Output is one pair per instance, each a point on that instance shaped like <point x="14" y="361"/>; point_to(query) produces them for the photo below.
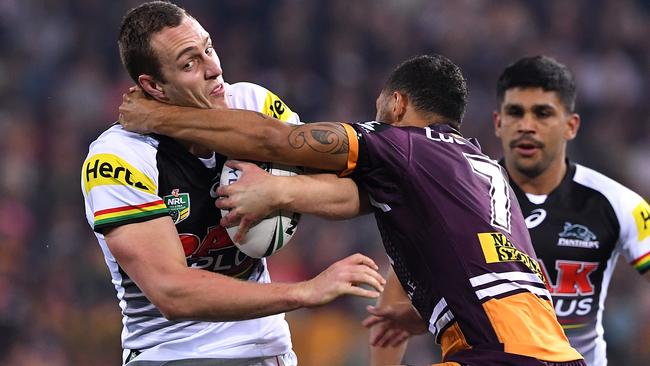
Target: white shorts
<point x="287" y="359"/>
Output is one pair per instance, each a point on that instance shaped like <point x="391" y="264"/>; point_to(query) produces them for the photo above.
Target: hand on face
<point x="136" y="110"/>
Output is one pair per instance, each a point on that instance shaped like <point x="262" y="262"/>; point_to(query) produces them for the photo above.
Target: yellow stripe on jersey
<point x="276" y="108"/>
<point x="109" y="169"/>
<point x="130" y="212"/>
<point x="526" y="325"/>
<point x="642" y="217"/>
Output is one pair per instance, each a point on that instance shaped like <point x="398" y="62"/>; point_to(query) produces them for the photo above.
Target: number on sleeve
<point x="499" y="192"/>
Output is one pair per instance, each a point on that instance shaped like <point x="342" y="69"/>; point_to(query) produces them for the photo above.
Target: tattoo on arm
<point x="326" y="138"/>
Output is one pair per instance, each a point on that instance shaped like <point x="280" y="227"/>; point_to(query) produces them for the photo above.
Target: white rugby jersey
<point x="578" y="232"/>
<point x="129" y="178"/>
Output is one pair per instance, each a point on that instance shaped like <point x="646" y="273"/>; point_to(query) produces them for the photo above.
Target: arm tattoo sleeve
<point x="326" y="138"/>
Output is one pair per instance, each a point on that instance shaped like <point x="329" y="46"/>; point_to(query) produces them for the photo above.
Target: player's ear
<point x="496" y="117"/>
<point x="573" y="124"/>
<point x="400" y="102"/>
<point x="152" y="87"/>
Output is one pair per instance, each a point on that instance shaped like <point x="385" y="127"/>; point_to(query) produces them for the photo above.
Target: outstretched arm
<point x="257" y="193"/>
<point x="152" y="255"/>
<point x="240" y="134"/>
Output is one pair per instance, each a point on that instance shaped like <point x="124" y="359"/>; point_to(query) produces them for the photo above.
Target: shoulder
<point x="118" y="140"/>
<point x="253" y="97"/>
<point x="246" y="91"/>
<point x="611" y="189"/>
<point x="626" y="203"/>
<point x="118" y="157"/>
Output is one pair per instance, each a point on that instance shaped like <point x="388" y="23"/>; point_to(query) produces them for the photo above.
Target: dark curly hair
<point x="433" y="84"/>
<point x="539" y="72"/>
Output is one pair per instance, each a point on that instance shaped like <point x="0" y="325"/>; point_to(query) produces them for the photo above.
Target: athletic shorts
<point x="287" y="359"/>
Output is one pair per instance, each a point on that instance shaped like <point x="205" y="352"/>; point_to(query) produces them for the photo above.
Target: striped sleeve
<point x="634" y="238"/>
<point x="128" y="214"/>
<point x="640" y="236"/>
<point x="119" y="181"/>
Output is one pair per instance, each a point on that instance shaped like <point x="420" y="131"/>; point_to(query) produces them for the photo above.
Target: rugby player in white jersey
<point x="579" y="220"/>
<point x="188" y="295"/>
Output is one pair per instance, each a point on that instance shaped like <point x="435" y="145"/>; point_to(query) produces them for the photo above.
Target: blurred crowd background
<point x="61" y="82"/>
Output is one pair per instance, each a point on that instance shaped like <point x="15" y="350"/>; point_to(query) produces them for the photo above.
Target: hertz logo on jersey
<point x="276" y="108"/>
<point x="498" y="248"/>
<point x="109" y="169"/>
<point x="642" y="217"/>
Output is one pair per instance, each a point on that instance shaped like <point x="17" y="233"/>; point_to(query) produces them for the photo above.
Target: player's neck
<point x="542" y="184"/>
<point x="414" y="118"/>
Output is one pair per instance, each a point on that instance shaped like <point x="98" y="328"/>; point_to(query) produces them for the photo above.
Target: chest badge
<point x="579" y="236"/>
<point x="178" y="205"/>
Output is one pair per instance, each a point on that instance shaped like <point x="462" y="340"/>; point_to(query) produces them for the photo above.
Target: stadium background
<point x="61" y="82"/>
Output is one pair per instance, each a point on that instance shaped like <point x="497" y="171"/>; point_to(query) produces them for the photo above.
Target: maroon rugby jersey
<point x="458" y="243"/>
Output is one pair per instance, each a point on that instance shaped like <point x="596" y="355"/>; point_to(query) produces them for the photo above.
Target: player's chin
<point x="218" y="101"/>
<point x="529" y="166"/>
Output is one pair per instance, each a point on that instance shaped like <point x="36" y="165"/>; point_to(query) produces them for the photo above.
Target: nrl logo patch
<point x="579" y="236"/>
<point x="178" y="205"/>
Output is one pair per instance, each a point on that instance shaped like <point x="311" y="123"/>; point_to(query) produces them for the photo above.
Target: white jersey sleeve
<point x="632" y="214"/>
<point x="257" y="98"/>
<point x="119" y="180"/>
<point x="634" y="242"/>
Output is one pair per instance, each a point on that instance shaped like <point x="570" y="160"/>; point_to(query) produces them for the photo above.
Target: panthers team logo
<point x="579" y="236"/>
<point x="178" y="205"/>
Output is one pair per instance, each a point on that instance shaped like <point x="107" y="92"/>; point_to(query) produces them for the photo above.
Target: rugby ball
<point x="274" y="231"/>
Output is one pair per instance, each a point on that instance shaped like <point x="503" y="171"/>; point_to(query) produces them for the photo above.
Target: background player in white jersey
<point x="579" y="220"/>
<point x="188" y="296"/>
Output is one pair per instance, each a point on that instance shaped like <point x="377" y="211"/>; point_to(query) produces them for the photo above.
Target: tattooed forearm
<point x="327" y="138"/>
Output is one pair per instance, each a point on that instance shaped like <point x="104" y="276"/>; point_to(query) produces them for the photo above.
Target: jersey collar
<point x="562" y="191"/>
